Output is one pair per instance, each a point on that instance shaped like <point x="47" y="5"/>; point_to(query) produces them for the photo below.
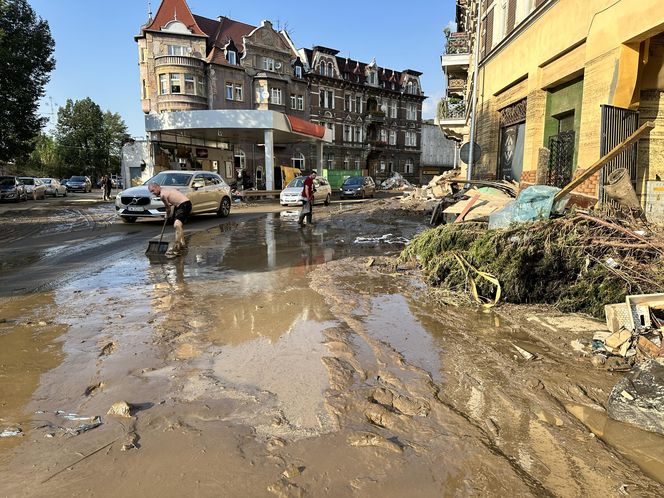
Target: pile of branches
<point x="578" y="263"/>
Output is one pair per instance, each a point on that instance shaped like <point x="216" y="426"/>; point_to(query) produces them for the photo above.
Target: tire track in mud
<point x="361" y="379"/>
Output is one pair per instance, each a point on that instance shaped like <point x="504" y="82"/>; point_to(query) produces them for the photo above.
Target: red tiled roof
<point x="170" y="10"/>
<point x="223" y="29"/>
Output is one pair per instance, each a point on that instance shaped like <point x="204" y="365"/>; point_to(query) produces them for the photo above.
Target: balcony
<point x="457" y="50"/>
<point x="179" y="60"/>
<point x="456" y="84"/>
<point x="451" y="112"/>
<point x="375" y="117"/>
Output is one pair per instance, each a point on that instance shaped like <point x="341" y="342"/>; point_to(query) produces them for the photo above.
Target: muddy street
<point x="274" y="360"/>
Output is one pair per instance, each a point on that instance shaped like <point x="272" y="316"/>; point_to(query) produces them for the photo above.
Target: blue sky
<point x="97" y="56"/>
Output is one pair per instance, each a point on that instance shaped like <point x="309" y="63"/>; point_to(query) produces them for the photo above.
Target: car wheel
<point x="129" y="219"/>
<point x="327" y="200"/>
<point x="224" y="207"/>
<point x="65" y="194"/>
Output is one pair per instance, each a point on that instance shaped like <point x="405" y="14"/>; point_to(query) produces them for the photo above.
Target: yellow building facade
<point x="569" y="76"/>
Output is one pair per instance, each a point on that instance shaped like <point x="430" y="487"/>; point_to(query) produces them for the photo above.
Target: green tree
<point x="26" y="49"/>
<point x="115" y="135"/>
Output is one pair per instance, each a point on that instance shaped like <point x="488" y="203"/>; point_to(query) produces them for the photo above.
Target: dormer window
<point x="177" y="50"/>
<point x="372" y="78"/>
<point x="321" y="69"/>
<point x="298" y="71"/>
<point x="330" y="70"/>
<point x="231" y="56"/>
<point x="268" y="64"/>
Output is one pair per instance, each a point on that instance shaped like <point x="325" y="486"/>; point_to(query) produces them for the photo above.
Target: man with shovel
<point x="179" y="207"/>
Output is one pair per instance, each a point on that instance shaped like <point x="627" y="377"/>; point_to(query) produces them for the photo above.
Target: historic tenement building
<point x="573" y="77"/>
<point x="375" y="113"/>
<point x="192" y="63"/>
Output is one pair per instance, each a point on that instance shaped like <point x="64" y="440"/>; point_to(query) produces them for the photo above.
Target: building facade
<point x="574" y="78"/>
<point x="192" y="63"/>
<point x="439" y="153"/>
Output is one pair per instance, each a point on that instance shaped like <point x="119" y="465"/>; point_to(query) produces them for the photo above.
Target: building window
<point x="346" y="163"/>
<point x="372" y="78"/>
<point x="390" y="166"/>
<point x="330" y="70"/>
<point x="300" y="102"/>
<point x="411" y="139"/>
<point x="293" y="101"/>
<point x="177" y="50"/>
<point x="231" y="56"/>
<point x="298" y="71"/>
<point x="229" y="91"/>
<point x="240" y="159"/>
<point x="330" y="126"/>
<point x="145" y="90"/>
<point x="382" y="165"/>
<point x="393" y="137"/>
<point x="357" y="164"/>
<point x="189" y="84"/>
<point x="393" y="109"/>
<point x="358" y="134"/>
<point x="330" y="161"/>
<point x="297" y="161"/>
<point x="276" y="96"/>
<point x="383" y="135"/>
<point x="327" y="99"/>
<point x="347" y="101"/>
<point x="142" y="51"/>
<point x="321" y="69"/>
<point x="268" y="64"/>
<point x="200" y="82"/>
<point x="411" y="112"/>
<point x="176" y="86"/>
<point x="163" y="84"/>
<point x="358" y="103"/>
<point x="347" y="133"/>
<point x="239" y="96"/>
<point x="408" y="168"/>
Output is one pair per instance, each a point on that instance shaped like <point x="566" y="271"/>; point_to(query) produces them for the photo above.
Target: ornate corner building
<point x="191" y="63"/>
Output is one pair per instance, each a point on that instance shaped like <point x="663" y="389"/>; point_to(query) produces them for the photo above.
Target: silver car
<point x="292" y="194"/>
<point x="34" y="187"/>
<point x="54" y="187"/>
<point x="207" y="191"/>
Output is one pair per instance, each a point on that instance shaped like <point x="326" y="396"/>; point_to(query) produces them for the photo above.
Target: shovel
<point x="156" y="248"/>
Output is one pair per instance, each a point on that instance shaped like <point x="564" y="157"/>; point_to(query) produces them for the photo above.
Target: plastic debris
<point x="11" y="432"/>
<point x="388" y="238"/>
<point x="533" y="203"/>
<point x="74" y="417"/>
<point x="75" y="431"/>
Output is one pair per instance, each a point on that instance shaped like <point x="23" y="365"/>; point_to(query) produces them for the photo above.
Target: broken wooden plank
<point x="468" y="207"/>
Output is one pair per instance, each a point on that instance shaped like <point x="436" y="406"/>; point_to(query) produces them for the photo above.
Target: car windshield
<point x="77" y="179"/>
<point x="298" y="182"/>
<point x="28" y="181"/>
<point x="7" y="181"/>
<point x="353" y="180"/>
<point x="170" y="179"/>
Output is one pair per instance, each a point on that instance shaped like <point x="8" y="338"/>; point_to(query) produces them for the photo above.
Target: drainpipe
<point x="476" y="56"/>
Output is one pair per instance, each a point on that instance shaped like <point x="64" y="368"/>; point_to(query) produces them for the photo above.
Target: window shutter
<point x="511" y="16"/>
<point x="488" y="33"/>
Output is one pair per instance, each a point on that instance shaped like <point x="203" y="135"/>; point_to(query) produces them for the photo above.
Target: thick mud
<point x="275" y="360"/>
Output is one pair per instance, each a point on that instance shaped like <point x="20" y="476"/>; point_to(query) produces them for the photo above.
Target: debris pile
<point x="396" y="182"/>
<point x="577" y="262"/>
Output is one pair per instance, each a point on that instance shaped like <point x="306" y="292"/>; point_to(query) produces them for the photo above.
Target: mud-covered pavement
<point x="271" y="360"/>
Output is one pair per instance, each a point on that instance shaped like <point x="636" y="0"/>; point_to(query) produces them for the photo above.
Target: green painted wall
<point x="337" y="176"/>
<point x="561" y="100"/>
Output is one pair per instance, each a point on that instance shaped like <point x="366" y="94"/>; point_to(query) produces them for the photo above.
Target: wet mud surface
<point x="271" y="360"/>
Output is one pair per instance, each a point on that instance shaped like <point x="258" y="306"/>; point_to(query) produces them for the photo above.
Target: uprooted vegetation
<point x="578" y="263"/>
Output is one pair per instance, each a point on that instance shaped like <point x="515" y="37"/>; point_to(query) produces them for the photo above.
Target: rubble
<point x="396" y="182"/>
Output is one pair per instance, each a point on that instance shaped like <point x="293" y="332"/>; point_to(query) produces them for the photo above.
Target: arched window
<point x="330" y="70"/>
<point x="297" y="161"/>
<point x="410" y="87"/>
<point x="321" y="69"/>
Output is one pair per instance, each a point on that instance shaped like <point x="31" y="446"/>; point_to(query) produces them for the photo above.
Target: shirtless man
<point x="178" y="205"/>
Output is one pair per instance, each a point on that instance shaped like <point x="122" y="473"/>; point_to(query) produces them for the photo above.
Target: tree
<point x="26" y="61"/>
<point x="88" y="139"/>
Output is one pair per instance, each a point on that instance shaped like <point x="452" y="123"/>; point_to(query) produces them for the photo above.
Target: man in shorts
<point x="178" y="205"/>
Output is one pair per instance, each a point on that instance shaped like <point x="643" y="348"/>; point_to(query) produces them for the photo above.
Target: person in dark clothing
<point x="307" y="200"/>
<point x="107" y="186"/>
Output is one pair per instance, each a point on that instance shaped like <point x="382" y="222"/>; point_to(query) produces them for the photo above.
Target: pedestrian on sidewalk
<point x="107" y="185"/>
<point x="307" y="195"/>
<point x="102" y="184"/>
<point x="179" y="207"/>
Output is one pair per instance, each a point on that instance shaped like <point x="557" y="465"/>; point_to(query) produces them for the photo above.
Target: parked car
<point x="207" y="191"/>
<point x="54" y="187"/>
<point x="11" y="189"/>
<point x="34" y="187"/>
<point x="358" y="186"/>
<point x="291" y="195"/>
<point x="79" y="184"/>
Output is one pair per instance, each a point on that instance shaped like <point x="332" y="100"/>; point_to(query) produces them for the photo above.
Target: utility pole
<point x="476" y="56"/>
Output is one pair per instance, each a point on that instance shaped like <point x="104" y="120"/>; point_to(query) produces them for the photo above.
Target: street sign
<point x="464" y="153"/>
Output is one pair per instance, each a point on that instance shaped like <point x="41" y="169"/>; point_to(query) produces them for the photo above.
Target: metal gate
<point x="617" y="125"/>
<point x="561" y="158"/>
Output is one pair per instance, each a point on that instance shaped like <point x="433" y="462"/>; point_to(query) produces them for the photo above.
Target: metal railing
<point x="451" y="109"/>
<point x="457" y="43"/>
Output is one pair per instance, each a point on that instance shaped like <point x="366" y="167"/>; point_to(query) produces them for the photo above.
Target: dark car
<point x="358" y="186"/>
<point x="12" y="189"/>
<point x="79" y="184"/>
